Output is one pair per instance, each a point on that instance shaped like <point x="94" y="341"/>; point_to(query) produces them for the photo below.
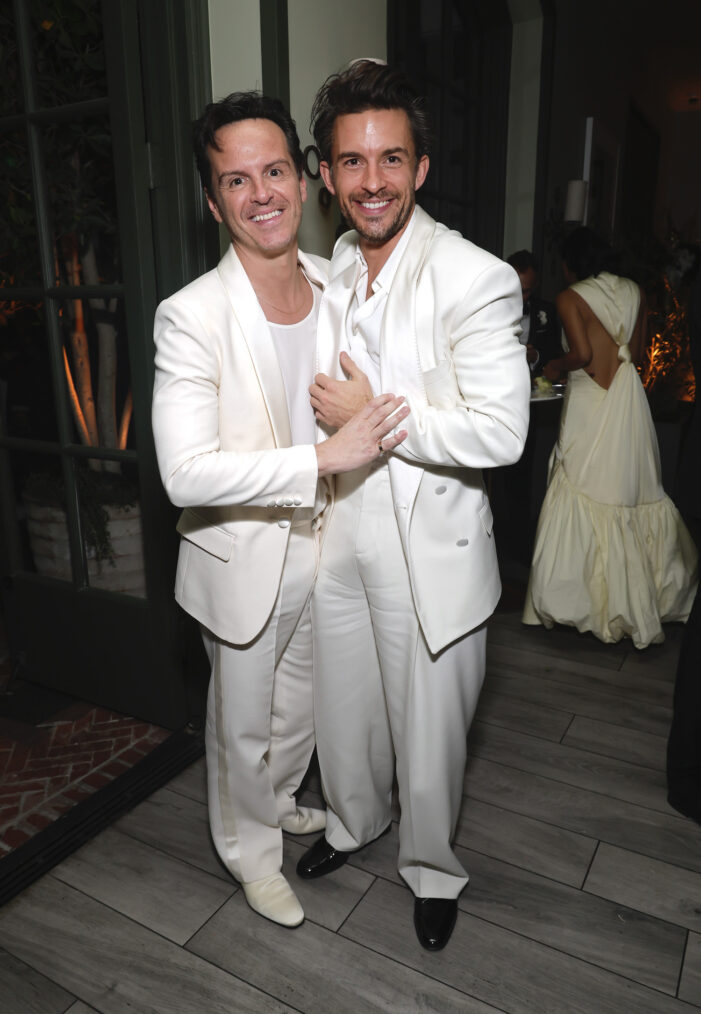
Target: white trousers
<point x="380" y="694"/>
<point x="259" y="734"/>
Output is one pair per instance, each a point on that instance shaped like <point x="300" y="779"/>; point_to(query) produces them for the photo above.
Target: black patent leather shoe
<point x="321" y="859"/>
<point x="434" y="920"/>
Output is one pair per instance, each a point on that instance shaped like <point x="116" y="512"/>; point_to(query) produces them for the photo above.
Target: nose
<point x="262" y="190"/>
<point x="372" y="177"/>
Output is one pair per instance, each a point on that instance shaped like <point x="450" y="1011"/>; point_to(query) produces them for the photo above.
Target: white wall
<point x="324" y="37"/>
<point x="235" y="55"/>
<point x="234" y="44"/>
<point x="524" y="102"/>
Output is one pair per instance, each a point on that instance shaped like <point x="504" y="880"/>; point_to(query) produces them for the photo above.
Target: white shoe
<point x="305" y="821"/>
<point x="273" y="898"/>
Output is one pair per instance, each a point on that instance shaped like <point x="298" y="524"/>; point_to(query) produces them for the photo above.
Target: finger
<point x="397" y="409"/>
<point x="378" y="401"/>
<point x="349" y="367"/>
<point x="390" y="422"/>
<point x="321" y="380"/>
<point x="390" y="442"/>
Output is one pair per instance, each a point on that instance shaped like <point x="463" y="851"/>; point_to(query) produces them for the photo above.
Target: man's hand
<point x="531" y="354"/>
<point x="364" y="437"/>
<point x="336" y="401"/>
<point x="551" y="370"/>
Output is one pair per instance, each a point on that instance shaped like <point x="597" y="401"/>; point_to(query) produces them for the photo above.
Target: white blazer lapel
<point x="401" y="360"/>
<point x="256" y="333"/>
<point x="331" y="334"/>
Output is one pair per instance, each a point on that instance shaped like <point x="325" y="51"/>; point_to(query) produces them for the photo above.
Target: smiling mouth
<point x="375" y="205"/>
<point x="267" y="217"/>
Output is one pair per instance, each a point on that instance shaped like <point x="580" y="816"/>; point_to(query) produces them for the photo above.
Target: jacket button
<point x="280" y="502"/>
<point x="284" y="522"/>
<point x="289" y="502"/>
<point x="271" y="503"/>
<point x="462" y="542"/>
<point x="298" y="501"/>
<point x="440" y="489"/>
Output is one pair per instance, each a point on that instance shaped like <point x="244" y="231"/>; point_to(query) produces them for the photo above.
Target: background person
<point x="540" y="328"/>
<point x="612" y="554"/>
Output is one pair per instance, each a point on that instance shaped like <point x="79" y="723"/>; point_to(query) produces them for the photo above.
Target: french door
<point x="103" y="219"/>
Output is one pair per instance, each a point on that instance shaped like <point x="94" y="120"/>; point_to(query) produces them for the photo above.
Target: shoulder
<point x="206" y="287"/>
<point x="569" y="301"/>
<point x="449" y="248"/>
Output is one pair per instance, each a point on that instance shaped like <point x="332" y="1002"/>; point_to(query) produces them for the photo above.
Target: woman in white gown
<point x="612" y="554"/>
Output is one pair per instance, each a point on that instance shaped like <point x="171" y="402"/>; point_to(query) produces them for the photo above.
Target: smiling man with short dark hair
<point x="237" y="447"/>
<point x="408" y="575"/>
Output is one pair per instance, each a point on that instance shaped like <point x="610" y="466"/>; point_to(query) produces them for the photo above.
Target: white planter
<point x="48" y="537"/>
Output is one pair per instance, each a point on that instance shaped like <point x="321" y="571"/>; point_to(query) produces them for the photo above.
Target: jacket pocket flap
<point x="213" y="540"/>
<point x="441" y="385"/>
<point x="486" y="518"/>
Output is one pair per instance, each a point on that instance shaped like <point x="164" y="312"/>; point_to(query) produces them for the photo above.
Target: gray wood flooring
<point x="584" y="897"/>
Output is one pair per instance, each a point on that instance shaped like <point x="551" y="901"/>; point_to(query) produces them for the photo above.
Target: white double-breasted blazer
<point x="222" y="434"/>
<point x="449" y="344"/>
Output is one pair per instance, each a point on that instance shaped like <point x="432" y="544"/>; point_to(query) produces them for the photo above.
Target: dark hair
<point x="235" y="107"/>
<point x="367" y="85"/>
<point x="522" y="261"/>
<point x="586" y="254"/>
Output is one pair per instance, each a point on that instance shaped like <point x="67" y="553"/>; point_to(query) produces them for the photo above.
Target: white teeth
<point x="374" y="205"/>
<point x="264" y="218"/>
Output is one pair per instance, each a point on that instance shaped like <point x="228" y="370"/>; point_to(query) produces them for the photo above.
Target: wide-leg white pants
<point x="379" y="693"/>
<point x="259" y="734"/>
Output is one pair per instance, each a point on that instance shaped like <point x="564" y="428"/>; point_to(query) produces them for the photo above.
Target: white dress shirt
<point x="364" y="322"/>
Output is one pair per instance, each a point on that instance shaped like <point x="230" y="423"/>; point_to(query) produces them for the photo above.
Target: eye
<point x="393" y="160"/>
<point x="234" y="182"/>
<point x="352" y="163"/>
<point x="276" y="172"/>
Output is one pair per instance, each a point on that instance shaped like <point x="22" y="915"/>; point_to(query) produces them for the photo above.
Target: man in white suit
<point x="408" y="575"/>
<point x="235" y="437"/>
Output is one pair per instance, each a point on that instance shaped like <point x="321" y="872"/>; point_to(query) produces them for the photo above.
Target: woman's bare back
<point x="585" y="332"/>
<point x="604" y="350"/>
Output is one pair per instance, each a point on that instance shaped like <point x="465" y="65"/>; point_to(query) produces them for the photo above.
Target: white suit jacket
<point x="222" y="434"/>
<point x="449" y="344"/>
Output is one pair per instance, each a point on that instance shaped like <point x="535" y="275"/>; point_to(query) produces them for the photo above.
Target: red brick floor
<point x="45" y="769"/>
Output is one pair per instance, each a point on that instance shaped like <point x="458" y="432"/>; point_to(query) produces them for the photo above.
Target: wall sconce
<point x="576" y="200"/>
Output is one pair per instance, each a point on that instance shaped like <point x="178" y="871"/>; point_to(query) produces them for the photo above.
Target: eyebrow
<point x="242" y="172"/>
<point x="388" y="151"/>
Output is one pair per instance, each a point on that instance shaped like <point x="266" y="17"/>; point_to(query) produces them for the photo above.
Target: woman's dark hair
<point x="235" y="107"/>
<point x="367" y="85"/>
<point x="586" y="254"/>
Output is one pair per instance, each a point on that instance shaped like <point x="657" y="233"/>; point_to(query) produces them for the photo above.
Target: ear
<point x="213" y="207"/>
<point x="302" y="187"/>
<point x="421" y="171"/>
<point x="327" y="176"/>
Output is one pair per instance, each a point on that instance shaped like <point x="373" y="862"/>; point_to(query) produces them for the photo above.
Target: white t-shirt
<point x="295" y="345"/>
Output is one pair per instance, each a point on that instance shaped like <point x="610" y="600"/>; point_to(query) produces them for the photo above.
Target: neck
<point x="274" y="274"/>
<point x="279" y="284"/>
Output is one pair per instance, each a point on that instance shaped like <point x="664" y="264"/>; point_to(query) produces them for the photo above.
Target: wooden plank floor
<point x="585" y="891"/>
